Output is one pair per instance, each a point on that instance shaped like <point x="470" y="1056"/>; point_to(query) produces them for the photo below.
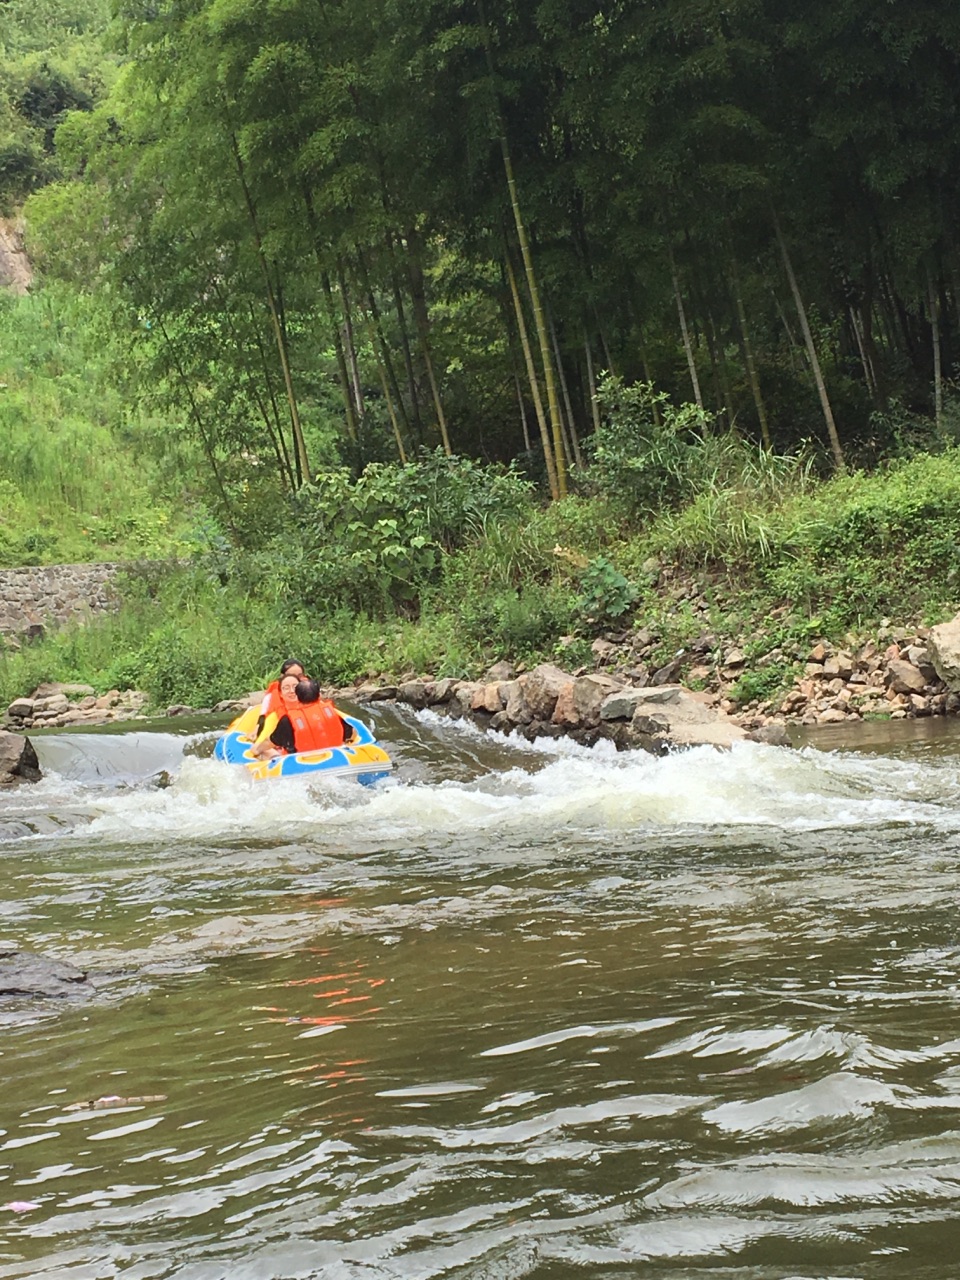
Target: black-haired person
<point x="271" y="739"/>
<point x="311" y="723"/>
<point x="317" y="724"/>
<point x="273" y="702"/>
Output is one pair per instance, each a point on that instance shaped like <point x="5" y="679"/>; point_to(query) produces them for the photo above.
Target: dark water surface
<point x="515" y="1013"/>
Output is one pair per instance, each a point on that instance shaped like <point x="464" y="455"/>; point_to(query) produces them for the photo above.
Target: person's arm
<point x="282" y="736"/>
<point x="349" y="733"/>
<point x="264" y="747"/>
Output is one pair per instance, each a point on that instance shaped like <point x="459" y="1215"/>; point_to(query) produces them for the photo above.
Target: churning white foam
<point x="553" y="788"/>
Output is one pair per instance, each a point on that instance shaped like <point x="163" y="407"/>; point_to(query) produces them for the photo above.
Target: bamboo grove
<point x="347" y="231"/>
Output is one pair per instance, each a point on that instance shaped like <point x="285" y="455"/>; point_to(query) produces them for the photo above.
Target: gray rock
<point x="605" y="651"/>
<point x="385" y="693"/>
<point x="773" y="734"/>
<point x="622" y="705"/>
<point x="579" y="701"/>
<point x="414" y="693"/>
<point x="22" y="708"/>
<point x="667" y="674"/>
<point x="18" y="760"/>
<point x="681" y="719"/>
<point x="443" y="690"/>
<point x="904" y="677"/>
<point x="498" y="672"/>
<point x="541" y="688"/>
<point x="944" y="648"/>
<point x="464" y="694"/>
<point x="840" y="666"/>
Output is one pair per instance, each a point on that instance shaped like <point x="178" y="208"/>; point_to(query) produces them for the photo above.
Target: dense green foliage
<point x="309" y="221"/>
<point x="52" y="61"/>
<point x="839" y="557"/>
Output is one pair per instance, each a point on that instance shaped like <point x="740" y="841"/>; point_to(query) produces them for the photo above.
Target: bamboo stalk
<point x="811" y="349"/>
<point x="300" y="444"/>
<point x="685" y="332"/>
<point x="933" y="310"/>
<point x="752" y="375"/>
<point x="532" y="379"/>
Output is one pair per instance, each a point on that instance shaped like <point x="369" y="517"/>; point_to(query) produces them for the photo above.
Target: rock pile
<point x="55" y="705"/>
<point x="837" y="685"/>
<point x="552" y="703"/>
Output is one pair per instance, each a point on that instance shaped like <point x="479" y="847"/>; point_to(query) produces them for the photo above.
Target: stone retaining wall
<point x="34" y="598"/>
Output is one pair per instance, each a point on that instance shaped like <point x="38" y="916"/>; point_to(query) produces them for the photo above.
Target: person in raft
<point x="308" y="723"/>
<point x="273" y="699"/>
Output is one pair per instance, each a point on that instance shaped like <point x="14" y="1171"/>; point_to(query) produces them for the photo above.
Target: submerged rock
<point x="25" y="973"/>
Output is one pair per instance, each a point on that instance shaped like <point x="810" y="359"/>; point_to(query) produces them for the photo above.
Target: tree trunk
<point x="405" y="342"/>
<point x="343" y="376"/>
<point x="300" y="444"/>
<point x="571" y="421"/>
<point x="532" y="286"/>
<point x="749" y="361"/>
<point x="933" y="310"/>
<point x="273" y="427"/>
<point x="528" y="447"/>
<point x="592" y="385"/>
<point x="198" y="420"/>
<point x="422" y="319"/>
<point x="381" y="336"/>
<point x="386" y="392"/>
<point x="685" y="332"/>
<point x="533" y="380"/>
<point x="811" y="349"/>
<point x="538" y="320"/>
<point x="350" y="346"/>
<point x="868" y="374"/>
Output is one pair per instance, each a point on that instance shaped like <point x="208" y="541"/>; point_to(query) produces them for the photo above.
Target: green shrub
<point x="607" y="594"/>
<point x="764" y="684"/>
<point x="522" y="624"/>
<point x="644" y="452"/>
<point x="375" y="544"/>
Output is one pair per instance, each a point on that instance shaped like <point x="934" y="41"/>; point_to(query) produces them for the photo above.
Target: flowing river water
<point x="515" y="1012"/>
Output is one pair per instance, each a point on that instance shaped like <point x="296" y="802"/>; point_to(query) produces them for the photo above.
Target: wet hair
<point x="308" y="691"/>
<point x="288" y="663"/>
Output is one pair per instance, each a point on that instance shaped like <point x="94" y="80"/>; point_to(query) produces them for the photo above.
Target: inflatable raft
<point x="362" y="757"/>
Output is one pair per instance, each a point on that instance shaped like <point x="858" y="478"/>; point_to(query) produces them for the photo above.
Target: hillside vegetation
<point x="432" y="333"/>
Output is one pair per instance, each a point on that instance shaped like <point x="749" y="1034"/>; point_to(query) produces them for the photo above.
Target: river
<point x="517" y="1011"/>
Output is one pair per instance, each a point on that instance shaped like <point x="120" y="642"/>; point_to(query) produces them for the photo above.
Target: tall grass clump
<point x="80" y="474"/>
<point x="862" y="547"/>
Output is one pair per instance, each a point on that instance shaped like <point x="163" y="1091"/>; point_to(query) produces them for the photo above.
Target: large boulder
<point x="669" y="715"/>
<point x="541" y="688"/>
<point x="943" y="646"/>
<point x="904" y="677"/>
<point x="18" y="760"/>
<point x="579" y="701"/>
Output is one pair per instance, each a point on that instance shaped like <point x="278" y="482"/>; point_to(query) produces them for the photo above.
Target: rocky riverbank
<point x="696" y="697"/>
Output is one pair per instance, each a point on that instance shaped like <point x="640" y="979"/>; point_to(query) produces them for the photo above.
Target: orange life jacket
<point x="316" y="725"/>
<point x="272" y="700"/>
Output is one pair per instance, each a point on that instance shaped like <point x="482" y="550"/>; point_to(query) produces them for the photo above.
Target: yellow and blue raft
<point x="362" y="757"/>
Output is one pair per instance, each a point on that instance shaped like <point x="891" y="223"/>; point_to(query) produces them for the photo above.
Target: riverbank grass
<point x="761" y="567"/>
